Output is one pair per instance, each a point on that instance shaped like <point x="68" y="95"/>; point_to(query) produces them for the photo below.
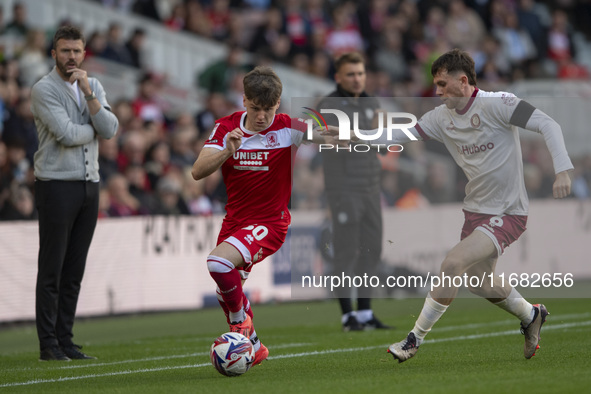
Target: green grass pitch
<point x="474" y="348"/>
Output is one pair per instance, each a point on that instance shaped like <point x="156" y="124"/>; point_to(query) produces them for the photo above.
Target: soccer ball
<point x="232" y="354"/>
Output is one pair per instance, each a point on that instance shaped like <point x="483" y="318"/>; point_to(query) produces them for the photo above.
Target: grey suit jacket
<point x="68" y="144"/>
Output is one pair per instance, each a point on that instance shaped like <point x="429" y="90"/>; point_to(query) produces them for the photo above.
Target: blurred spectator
<point x="530" y="21"/>
<point x="133" y="149"/>
<point x="18" y="25"/>
<point x="372" y="17"/>
<point x="123" y="109"/>
<point x="104" y="203"/>
<point x="122" y="203"/>
<point x="108" y="155"/>
<point x="139" y="187"/>
<point x="219" y="76"/>
<point x="320" y="65"/>
<point x="344" y="35"/>
<point x="5" y="174"/>
<point x="218" y="14"/>
<point x="20" y="205"/>
<point x="434" y="26"/>
<point x="196" y="20"/>
<point x="135" y="46"/>
<point x="17" y="159"/>
<point x="194" y="195"/>
<point x="96" y="44"/>
<point x="19" y="125"/>
<point x="181" y="147"/>
<point x="439" y="184"/>
<point x="516" y="44"/>
<point x="296" y="26"/>
<point x="560" y="44"/>
<point x="33" y="59"/>
<point x="147" y="105"/>
<point x="216" y="107"/>
<point x="168" y="197"/>
<point x="267" y="34"/>
<point x="177" y="19"/>
<point x="464" y="28"/>
<point x="146" y="8"/>
<point x="115" y="49"/>
<point x="157" y="162"/>
<point x="390" y="55"/>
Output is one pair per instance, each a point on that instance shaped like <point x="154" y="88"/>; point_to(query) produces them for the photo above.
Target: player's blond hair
<point x="262" y="86"/>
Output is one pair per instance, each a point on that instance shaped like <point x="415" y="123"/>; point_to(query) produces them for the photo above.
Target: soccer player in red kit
<point x="254" y="150"/>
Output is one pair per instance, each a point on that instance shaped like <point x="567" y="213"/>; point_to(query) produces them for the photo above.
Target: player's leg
<point x="471" y="250"/>
<point x="370" y="253"/>
<point x="222" y="264"/>
<point x="509" y="299"/>
<point x="346" y="245"/>
<point x="240" y="250"/>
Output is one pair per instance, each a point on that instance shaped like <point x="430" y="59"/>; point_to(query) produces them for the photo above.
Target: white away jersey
<point x="258" y="176"/>
<point x="485" y="144"/>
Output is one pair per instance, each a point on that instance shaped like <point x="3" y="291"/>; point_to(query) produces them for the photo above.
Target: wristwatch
<point x="91" y="96"/>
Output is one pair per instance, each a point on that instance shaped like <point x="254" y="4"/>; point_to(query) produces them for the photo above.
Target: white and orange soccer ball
<point x="232" y="354"/>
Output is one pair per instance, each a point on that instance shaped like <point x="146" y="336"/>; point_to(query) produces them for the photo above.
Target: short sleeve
<point x="298" y="128"/>
<point x="428" y="126"/>
<point x="217" y="138"/>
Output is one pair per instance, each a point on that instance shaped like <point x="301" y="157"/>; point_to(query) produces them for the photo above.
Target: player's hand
<point x="80" y="75"/>
<point x="334" y="131"/>
<point x="234" y="140"/>
<point x="331" y="130"/>
<point x="561" y="187"/>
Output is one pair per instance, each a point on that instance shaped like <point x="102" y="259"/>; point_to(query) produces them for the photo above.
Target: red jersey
<point x="258" y="175"/>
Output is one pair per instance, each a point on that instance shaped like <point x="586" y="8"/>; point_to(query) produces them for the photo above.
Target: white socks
<point x="345" y="317"/>
<point x="254" y="339"/>
<point x="362" y="316"/>
<point x="365" y="315"/>
<point x="432" y="311"/>
<point x="516" y="305"/>
<point x="237" y="317"/>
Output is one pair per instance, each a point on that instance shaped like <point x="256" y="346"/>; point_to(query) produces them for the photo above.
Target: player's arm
<point x="211" y="159"/>
<point x="531" y="118"/>
<point x="376" y="136"/>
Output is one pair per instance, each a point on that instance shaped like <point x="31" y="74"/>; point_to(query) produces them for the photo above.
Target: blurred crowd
<point x="145" y="169"/>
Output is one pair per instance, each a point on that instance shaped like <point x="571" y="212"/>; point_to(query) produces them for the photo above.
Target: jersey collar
<point x="469" y="104"/>
<point x="251" y="133"/>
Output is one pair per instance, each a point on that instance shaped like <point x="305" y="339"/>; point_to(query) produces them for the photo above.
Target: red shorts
<point x="503" y="230"/>
<point x="254" y="241"/>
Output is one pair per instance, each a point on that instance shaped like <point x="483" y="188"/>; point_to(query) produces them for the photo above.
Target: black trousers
<point x="68" y="212"/>
<point x="357" y="241"/>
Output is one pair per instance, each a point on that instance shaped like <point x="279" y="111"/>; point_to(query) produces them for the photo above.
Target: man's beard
<point x="63" y="67"/>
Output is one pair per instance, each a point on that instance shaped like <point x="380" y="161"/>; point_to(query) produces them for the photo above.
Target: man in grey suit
<point x="70" y="111"/>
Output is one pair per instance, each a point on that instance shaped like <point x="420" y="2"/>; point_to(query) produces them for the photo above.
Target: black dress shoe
<point x="376" y="324"/>
<point x="53" y="353"/>
<point x="73" y="351"/>
<point x="352" y="324"/>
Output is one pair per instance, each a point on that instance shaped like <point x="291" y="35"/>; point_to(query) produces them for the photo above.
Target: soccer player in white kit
<point x="480" y="131"/>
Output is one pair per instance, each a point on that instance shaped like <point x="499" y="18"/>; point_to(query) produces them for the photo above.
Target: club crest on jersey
<point x="271" y="140"/>
<point x="475" y="121"/>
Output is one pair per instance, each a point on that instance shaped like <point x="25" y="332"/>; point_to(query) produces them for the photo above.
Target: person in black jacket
<point x="352" y="184"/>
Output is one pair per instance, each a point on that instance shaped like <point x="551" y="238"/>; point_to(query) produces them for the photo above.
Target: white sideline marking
<point x="512" y="322"/>
<point x="86" y="365"/>
<point x="281" y="356"/>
